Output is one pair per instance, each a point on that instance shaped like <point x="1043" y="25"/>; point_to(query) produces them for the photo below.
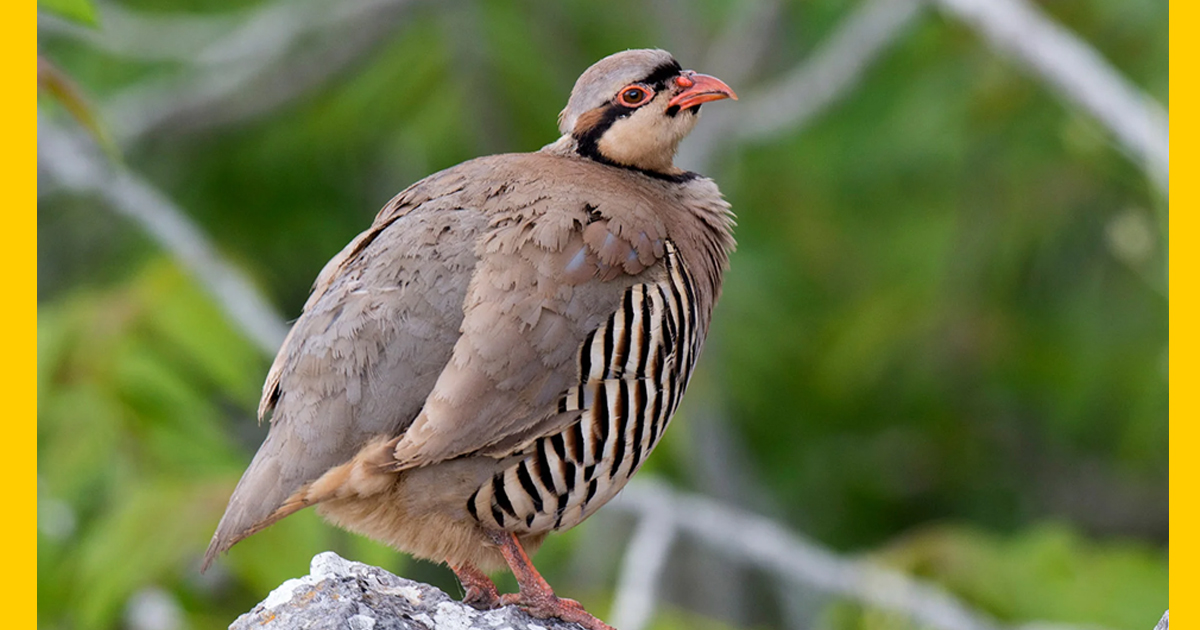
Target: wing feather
<point x="527" y="311"/>
<point x="374" y="335"/>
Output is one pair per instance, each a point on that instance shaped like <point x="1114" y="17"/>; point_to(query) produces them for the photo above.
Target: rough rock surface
<point x="338" y="593"/>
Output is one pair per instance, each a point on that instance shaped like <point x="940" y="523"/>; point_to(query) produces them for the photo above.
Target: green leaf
<point x="149" y="535"/>
<point x="1049" y="573"/>
<point x="81" y="11"/>
<point x="61" y="88"/>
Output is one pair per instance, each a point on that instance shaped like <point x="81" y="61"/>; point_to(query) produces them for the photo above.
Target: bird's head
<point x="632" y="109"/>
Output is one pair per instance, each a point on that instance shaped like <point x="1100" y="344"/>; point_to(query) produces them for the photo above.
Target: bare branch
<point x="267" y="62"/>
<point x="831" y="71"/>
<point x="238" y="66"/>
<point x="1017" y="28"/>
<point x="1078" y="73"/>
<point x="642" y="568"/>
<point x="825" y="77"/>
<point x="139" y="36"/>
<point x="75" y="165"/>
<point x="765" y="544"/>
<point x="737" y="51"/>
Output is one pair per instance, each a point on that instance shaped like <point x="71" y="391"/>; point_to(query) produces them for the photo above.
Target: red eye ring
<point x="635" y="95"/>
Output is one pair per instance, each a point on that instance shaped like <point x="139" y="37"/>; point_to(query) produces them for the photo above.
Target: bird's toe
<point x="482" y="598"/>
<point x="554" y="607"/>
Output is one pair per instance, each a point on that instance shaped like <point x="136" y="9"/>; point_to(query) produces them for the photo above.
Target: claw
<point x="481" y="593"/>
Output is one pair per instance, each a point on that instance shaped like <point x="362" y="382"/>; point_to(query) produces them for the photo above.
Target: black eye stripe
<point x="658" y="78"/>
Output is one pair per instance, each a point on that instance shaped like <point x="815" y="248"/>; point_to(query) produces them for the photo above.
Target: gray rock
<point x="344" y="595"/>
<point x="1162" y="623"/>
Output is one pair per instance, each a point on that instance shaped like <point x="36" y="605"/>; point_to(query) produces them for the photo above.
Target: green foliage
<point x="924" y="286"/>
<point x="135" y="389"/>
<point x="130" y="437"/>
<point x="1049" y="572"/>
<point x="79" y="10"/>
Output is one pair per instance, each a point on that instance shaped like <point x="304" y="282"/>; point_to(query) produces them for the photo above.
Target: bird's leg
<point x="480" y="593"/>
<point x="536" y="596"/>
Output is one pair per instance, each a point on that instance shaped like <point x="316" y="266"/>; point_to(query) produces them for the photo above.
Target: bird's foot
<point x="549" y="606"/>
<point x="480" y="593"/>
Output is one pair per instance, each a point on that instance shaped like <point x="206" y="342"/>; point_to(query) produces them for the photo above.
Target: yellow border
<point x="1182" y="266"/>
<point x="18" y="49"/>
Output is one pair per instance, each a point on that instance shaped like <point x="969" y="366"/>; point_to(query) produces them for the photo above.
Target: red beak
<point x="700" y="88"/>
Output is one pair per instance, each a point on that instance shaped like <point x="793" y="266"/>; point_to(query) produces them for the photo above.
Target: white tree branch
<point x="139" y="36"/>
<point x="831" y="71"/>
<point x="1077" y="72"/>
<point x="285" y="51"/>
<point x="821" y="80"/>
<point x="1016" y="28"/>
<point x="737" y="51"/>
<point x="765" y="544"/>
<point x="642" y="567"/>
<point x="74" y="164"/>
<point x="238" y="66"/>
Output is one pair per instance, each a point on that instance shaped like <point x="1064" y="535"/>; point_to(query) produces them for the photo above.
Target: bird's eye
<point x="633" y="96"/>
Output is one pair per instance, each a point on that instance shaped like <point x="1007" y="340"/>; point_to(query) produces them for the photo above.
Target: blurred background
<point x="942" y="346"/>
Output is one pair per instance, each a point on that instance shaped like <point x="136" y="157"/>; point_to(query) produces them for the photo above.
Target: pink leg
<point x="536" y="596"/>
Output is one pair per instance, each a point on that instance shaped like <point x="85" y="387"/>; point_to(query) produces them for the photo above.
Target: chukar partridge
<point x="499" y="352"/>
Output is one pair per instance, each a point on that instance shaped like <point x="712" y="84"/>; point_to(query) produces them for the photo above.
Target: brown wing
<point x="552" y="268"/>
<point x="374" y="335"/>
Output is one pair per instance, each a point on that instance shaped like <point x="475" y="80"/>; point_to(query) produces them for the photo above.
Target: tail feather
<point x="253" y="505"/>
<point x="266" y="494"/>
<point x="281" y="466"/>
